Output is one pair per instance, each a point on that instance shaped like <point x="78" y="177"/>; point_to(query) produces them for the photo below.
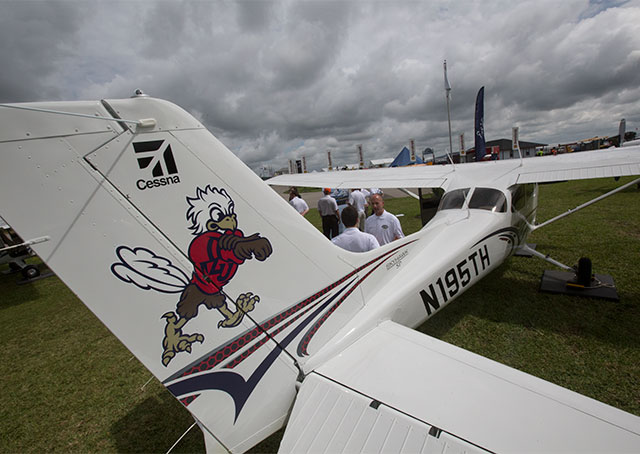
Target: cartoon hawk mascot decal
<point x="216" y="252"/>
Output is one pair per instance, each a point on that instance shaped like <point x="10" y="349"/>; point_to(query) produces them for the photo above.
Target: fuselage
<point x="474" y="231"/>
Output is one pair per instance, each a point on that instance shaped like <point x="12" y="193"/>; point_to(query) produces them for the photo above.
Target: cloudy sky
<point x="276" y="80"/>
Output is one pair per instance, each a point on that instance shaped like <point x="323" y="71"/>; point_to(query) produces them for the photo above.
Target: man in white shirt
<point x="359" y="202"/>
<point x="353" y="239"/>
<point x="328" y="210"/>
<point x="382" y="224"/>
<point x="296" y="202"/>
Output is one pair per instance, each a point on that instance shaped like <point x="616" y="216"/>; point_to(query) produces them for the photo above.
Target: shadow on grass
<point x="516" y="300"/>
<point x="154" y="425"/>
<point x="14" y="294"/>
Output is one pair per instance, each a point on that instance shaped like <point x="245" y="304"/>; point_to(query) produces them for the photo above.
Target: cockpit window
<point x="488" y="199"/>
<point x="453" y="199"/>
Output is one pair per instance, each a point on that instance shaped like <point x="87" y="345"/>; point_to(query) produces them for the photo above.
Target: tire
<point x="584" y="272"/>
<point x="30" y="271"/>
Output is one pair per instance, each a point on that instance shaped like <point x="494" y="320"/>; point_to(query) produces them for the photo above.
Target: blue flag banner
<point x="481" y="148"/>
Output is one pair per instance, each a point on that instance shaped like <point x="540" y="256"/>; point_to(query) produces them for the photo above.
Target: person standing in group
<point x="382" y="224"/>
<point x="359" y="202"/>
<point x="296" y="202"/>
<point x="328" y="209"/>
<point x="353" y="239"/>
<point x="371" y="192"/>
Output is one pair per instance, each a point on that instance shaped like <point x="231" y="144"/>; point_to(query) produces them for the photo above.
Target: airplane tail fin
<point x="179" y="249"/>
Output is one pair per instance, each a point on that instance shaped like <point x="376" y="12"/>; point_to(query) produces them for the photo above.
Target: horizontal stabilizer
<point x="397" y="390"/>
<point x="331" y="418"/>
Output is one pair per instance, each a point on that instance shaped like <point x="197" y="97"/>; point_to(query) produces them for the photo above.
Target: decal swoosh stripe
<point x="304" y="343"/>
<point x="234" y="362"/>
<point x="498" y="232"/>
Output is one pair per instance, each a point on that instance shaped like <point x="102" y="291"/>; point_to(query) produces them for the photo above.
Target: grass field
<point x="70" y="386"/>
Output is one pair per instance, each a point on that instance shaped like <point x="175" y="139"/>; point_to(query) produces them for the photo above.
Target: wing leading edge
<point x="572" y="166"/>
<point x="399" y="390"/>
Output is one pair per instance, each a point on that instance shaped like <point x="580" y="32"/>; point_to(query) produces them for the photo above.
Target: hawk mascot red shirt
<point x="213" y="267"/>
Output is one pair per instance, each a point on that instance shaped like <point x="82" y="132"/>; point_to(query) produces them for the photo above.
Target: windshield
<point x="453" y="199"/>
<point x="488" y="199"/>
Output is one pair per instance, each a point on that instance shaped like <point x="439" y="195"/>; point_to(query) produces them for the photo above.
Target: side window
<point x="518" y="198"/>
<point x="521" y="195"/>
<point x="453" y="199"/>
<point x="529" y="190"/>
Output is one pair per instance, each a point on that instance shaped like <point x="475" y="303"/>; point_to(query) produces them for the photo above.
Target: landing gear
<point x="580" y="281"/>
<point x="584" y="278"/>
<point x="30" y="272"/>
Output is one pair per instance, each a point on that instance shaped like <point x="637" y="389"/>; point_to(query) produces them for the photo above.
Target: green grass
<point x="70" y="386"/>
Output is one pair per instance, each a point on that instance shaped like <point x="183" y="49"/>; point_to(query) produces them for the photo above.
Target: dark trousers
<point x="330" y="226"/>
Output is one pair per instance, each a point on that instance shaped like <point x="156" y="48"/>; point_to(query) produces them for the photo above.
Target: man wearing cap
<point x="328" y="209"/>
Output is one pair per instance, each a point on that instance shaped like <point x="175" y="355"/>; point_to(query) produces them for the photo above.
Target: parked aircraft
<point x="253" y="320"/>
<point x="14" y="251"/>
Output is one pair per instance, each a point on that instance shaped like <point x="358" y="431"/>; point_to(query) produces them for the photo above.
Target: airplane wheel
<point x="584" y="272"/>
<point x="30" y="271"/>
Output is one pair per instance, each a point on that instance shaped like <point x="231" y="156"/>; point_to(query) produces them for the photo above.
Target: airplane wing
<point x="397" y="177"/>
<point x="613" y="162"/>
<point x="398" y="390"/>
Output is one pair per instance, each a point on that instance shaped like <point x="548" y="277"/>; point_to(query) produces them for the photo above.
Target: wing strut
<point x="526" y="248"/>
<point x="584" y="205"/>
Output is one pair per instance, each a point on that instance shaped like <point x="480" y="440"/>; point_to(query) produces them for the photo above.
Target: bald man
<point x="382" y="224"/>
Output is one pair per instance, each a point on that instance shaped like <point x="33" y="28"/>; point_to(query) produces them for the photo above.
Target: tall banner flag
<point x="621" y="131"/>
<point x="481" y="148"/>
<point x="412" y="151"/>
<point x="329" y="159"/>
<point x="361" y="156"/>
<point x="291" y="167"/>
<point x="304" y="164"/>
<point x="463" y="152"/>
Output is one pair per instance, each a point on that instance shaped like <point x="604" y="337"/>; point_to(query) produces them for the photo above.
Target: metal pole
<point x="449" y="119"/>
<point x="447" y="89"/>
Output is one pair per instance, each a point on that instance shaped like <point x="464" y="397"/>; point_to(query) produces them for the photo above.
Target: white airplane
<point x="253" y="320"/>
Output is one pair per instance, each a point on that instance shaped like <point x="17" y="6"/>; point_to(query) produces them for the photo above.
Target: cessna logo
<point x="157" y="156"/>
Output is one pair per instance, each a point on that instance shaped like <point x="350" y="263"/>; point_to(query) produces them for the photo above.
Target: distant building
<point x="380" y="162"/>
<point x="503" y="149"/>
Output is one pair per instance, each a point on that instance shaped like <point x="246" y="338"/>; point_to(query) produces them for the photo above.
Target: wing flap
<point x="469" y="398"/>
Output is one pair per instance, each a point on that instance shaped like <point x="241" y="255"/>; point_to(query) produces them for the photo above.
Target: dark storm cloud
<point x="34" y="36"/>
<point x="276" y="80"/>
